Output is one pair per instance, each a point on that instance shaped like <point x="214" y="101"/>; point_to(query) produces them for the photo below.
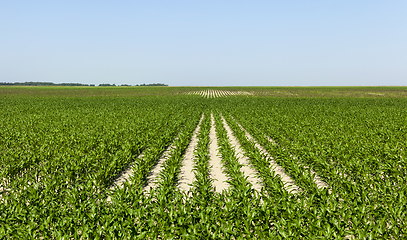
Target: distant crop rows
<point x="229" y="148"/>
<point x="218" y="93"/>
<point x="187" y="167"/>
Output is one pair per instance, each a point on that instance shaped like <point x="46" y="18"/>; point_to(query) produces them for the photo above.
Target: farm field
<point x="203" y="162"/>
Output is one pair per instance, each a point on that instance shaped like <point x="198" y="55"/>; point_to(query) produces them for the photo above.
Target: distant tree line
<point x="74" y="84"/>
<point x="127" y="85"/>
<point x="43" y="84"/>
<point x="152" y="84"/>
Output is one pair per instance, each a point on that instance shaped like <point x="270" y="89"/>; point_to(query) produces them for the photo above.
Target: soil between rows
<point x="187" y="176"/>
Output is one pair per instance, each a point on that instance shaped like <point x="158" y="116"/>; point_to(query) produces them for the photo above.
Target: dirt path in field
<point x="216" y="171"/>
<point x="187" y="176"/>
<point x="268" y="138"/>
<point x="287" y="180"/>
<point x="246" y="168"/>
<point x="318" y="181"/>
<point x="153" y="174"/>
<point x="218" y="93"/>
<point x="3" y="191"/>
<point x="124" y="176"/>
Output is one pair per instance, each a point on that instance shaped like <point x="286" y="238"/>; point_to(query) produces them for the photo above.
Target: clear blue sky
<point x="205" y="43"/>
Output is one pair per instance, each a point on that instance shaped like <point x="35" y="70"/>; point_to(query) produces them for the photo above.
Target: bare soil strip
<point x="3" y="191"/>
<point x="218" y="93"/>
<point x="187" y="176"/>
<point x="243" y="160"/>
<point x="318" y="181"/>
<point x="268" y="138"/>
<point x="216" y="172"/>
<point x="287" y="180"/>
<point x="124" y="176"/>
<point x="152" y="175"/>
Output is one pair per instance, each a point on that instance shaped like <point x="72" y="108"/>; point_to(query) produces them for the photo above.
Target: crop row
<point x="357" y="147"/>
<point x="59" y="156"/>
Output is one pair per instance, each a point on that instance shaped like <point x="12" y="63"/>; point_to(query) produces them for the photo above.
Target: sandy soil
<point x="124" y="176"/>
<point x="318" y="181"/>
<point x="268" y="138"/>
<point x="187" y="176"/>
<point x="216" y="172"/>
<point x="3" y="191"/>
<point x="218" y="93"/>
<point x="246" y="168"/>
<point x="153" y="174"/>
<point x="287" y="180"/>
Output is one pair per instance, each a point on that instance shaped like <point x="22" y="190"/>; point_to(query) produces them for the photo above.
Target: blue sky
<point x="205" y="43"/>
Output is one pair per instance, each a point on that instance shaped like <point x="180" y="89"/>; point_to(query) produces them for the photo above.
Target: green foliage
<point x="60" y="155"/>
<point x="43" y="84"/>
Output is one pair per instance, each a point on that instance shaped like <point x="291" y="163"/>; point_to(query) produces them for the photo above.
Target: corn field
<point x="200" y="164"/>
